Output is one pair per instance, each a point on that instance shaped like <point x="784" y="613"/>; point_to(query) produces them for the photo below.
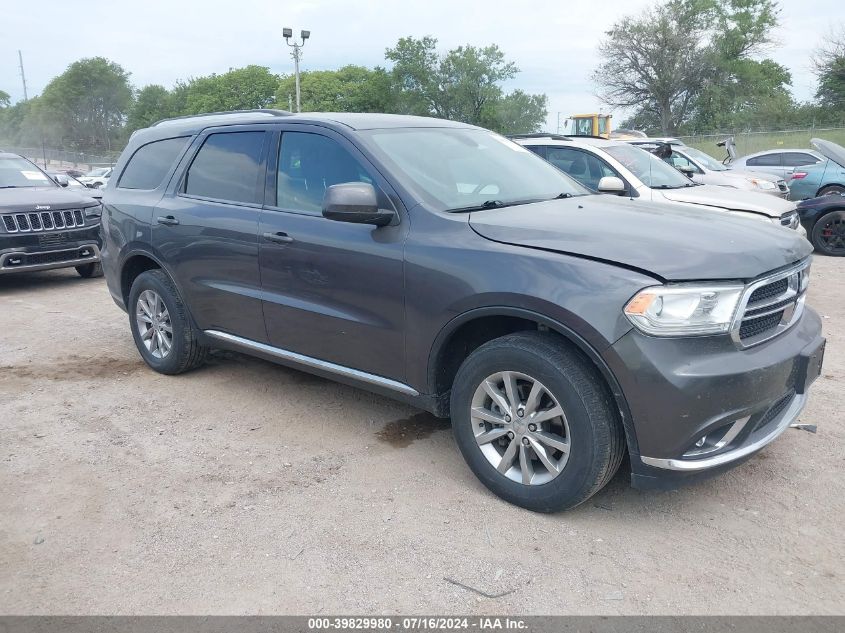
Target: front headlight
<point x="684" y="309"/>
<point x="765" y="185"/>
<point x="93" y="212"/>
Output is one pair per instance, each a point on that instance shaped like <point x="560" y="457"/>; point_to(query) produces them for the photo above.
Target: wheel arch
<point x="480" y="325"/>
<point x="827" y="185"/>
<point x="134" y="263"/>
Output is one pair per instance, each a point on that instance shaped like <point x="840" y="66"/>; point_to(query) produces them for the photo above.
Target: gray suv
<point x="446" y="266"/>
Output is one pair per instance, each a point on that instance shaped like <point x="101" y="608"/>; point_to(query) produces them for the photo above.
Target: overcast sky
<point x="553" y="42"/>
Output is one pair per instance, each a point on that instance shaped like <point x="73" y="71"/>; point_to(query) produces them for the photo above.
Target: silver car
<point x="779" y="162"/>
<point x="620" y="168"/>
<point x="703" y="168"/>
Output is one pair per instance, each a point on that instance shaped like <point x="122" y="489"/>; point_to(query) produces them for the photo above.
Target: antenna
<point x="23" y="76"/>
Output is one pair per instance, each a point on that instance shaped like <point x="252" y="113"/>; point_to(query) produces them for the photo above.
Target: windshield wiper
<point x="494" y="204"/>
<point x="8" y="186"/>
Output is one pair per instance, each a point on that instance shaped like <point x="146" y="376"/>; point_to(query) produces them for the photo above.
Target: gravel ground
<point x="245" y="487"/>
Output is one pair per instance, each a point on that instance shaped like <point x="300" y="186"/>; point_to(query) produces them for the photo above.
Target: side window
<point x="308" y="165"/>
<point x="150" y="163"/>
<point x="766" y="160"/>
<point x="798" y="159"/>
<point x="682" y="162"/>
<point x="227" y="167"/>
<point x="582" y="166"/>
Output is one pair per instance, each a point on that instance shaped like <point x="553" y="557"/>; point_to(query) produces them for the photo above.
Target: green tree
<point x="85" y="106"/>
<point x="239" y="89"/>
<point x="829" y="66"/>
<point x="348" y="89"/>
<point x="464" y="84"/>
<point x="5" y="99"/>
<point x="654" y="63"/>
<point x="693" y="65"/>
<point x="517" y="113"/>
<point x="152" y="104"/>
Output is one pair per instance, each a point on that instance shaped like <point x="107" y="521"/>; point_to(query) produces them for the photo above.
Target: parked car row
<point x="449" y="267"/>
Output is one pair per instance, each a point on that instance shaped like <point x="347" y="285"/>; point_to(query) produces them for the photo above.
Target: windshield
<point x="652" y="171"/>
<point x="461" y="169"/>
<point x="19" y="172"/>
<point x="100" y="171"/>
<point x="705" y="159"/>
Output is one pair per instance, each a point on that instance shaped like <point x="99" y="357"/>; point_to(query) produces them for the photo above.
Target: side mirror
<point x="355" y="202"/>
<point x="612" y="185"/>
<point x="687" y="171"/>
<point x="61" y="180"/>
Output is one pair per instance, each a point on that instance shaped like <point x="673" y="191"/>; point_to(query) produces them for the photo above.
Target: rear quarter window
<point x="150" y="163"/>
<point x="766" y="160"/>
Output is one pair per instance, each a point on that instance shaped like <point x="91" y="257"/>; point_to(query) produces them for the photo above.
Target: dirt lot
<point x="250" y="488"/>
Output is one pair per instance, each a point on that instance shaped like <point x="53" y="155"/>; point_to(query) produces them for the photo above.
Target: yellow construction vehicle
<point x="590" y="125"/>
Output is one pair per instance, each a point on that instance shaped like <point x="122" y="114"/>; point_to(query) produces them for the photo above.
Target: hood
<point x="672" y="243"/>
<point x="829" y="150"/>
<point x="744" y="174"/>
<point x="728" y="198"/>
<point x="25" y="199"/>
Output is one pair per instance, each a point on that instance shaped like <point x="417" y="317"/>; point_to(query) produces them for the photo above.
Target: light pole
<point x="297" y="55"/>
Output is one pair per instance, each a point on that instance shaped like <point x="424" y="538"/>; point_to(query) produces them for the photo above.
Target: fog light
<point x="700" y="442"/>
<point x="84" y="253"/>
<point x="14" y="261"/>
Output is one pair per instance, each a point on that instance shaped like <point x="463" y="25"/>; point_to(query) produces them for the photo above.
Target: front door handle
<point x="278" y="238"/>
<point x="168" y="220"/>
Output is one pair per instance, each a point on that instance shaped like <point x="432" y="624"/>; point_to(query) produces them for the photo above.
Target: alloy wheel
<point x="520" y="428"/>
<point x="831" y="233"/>
<point x="154" y="325"/>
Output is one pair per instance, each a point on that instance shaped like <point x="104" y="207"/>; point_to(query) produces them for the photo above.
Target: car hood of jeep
<point x="673" y="243"/>
<point x="28" y="199"/>
<point x="729" y="198"/>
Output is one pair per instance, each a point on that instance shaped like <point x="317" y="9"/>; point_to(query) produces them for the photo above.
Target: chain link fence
<point x="61" y="158"/>
<point x="757" y="141"/>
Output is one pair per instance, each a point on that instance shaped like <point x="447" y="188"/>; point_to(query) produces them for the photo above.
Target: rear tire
<point x="831" y="190"/>
<point x="584" y="445"/>
<point x="94" y="269"/>
<point x="161" y="326"/>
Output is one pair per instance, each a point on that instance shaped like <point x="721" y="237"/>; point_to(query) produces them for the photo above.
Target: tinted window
<point x="797" y="159"/>
<point x="150" y="164"/>
<point x="766" y="160"/>
<point x="227" y="168"/>
<point x="582" y="166"/>
<point x="308" y="165"/>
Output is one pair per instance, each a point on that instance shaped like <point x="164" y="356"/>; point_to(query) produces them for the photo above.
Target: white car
<point x="97" y="177"/>
<point x="626" y="170"/>
<point x="703" y="168"/>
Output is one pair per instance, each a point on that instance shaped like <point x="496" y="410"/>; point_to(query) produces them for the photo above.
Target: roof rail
<point x="554" y="137"/>
<point x="270" y="111"/>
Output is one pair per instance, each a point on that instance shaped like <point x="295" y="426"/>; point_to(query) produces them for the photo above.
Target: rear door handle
<point x="169" y="220"/>
<point x="278" y="238"/>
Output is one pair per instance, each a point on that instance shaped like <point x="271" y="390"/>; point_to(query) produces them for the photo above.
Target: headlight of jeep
<point x="765" y="185"/>
<point x="684" y="309"/>
<point x="93" y="212"/>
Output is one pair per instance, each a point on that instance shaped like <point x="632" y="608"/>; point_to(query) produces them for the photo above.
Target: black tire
<point x="597" y="440"/>
<point x="828" y="234"/>
<point x="186" y="352"/>
<point x="832" y="190"/>
<point x="94" y="269"/>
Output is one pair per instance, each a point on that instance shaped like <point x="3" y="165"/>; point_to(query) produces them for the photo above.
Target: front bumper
<point x="27" y="252"/>
<point x="680" y="390"/>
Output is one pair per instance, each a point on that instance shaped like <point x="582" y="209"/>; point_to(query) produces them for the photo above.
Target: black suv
<point x="449" y="267"/>
<point x="43" y="225"/>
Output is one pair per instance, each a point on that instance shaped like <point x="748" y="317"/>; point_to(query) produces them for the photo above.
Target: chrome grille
<point x="771" y="305"/>
<point x="43" y="221"/>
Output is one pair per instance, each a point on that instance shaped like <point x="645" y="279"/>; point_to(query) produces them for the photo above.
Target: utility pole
<point x="297" y="55"/>
<point x="23" y="76"/>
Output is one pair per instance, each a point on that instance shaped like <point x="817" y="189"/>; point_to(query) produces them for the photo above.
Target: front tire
<point x="161" y="326"/>
<point x="87" y="271"/>
<point x="828" y="235"/>
<point x="535" y="422"/>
